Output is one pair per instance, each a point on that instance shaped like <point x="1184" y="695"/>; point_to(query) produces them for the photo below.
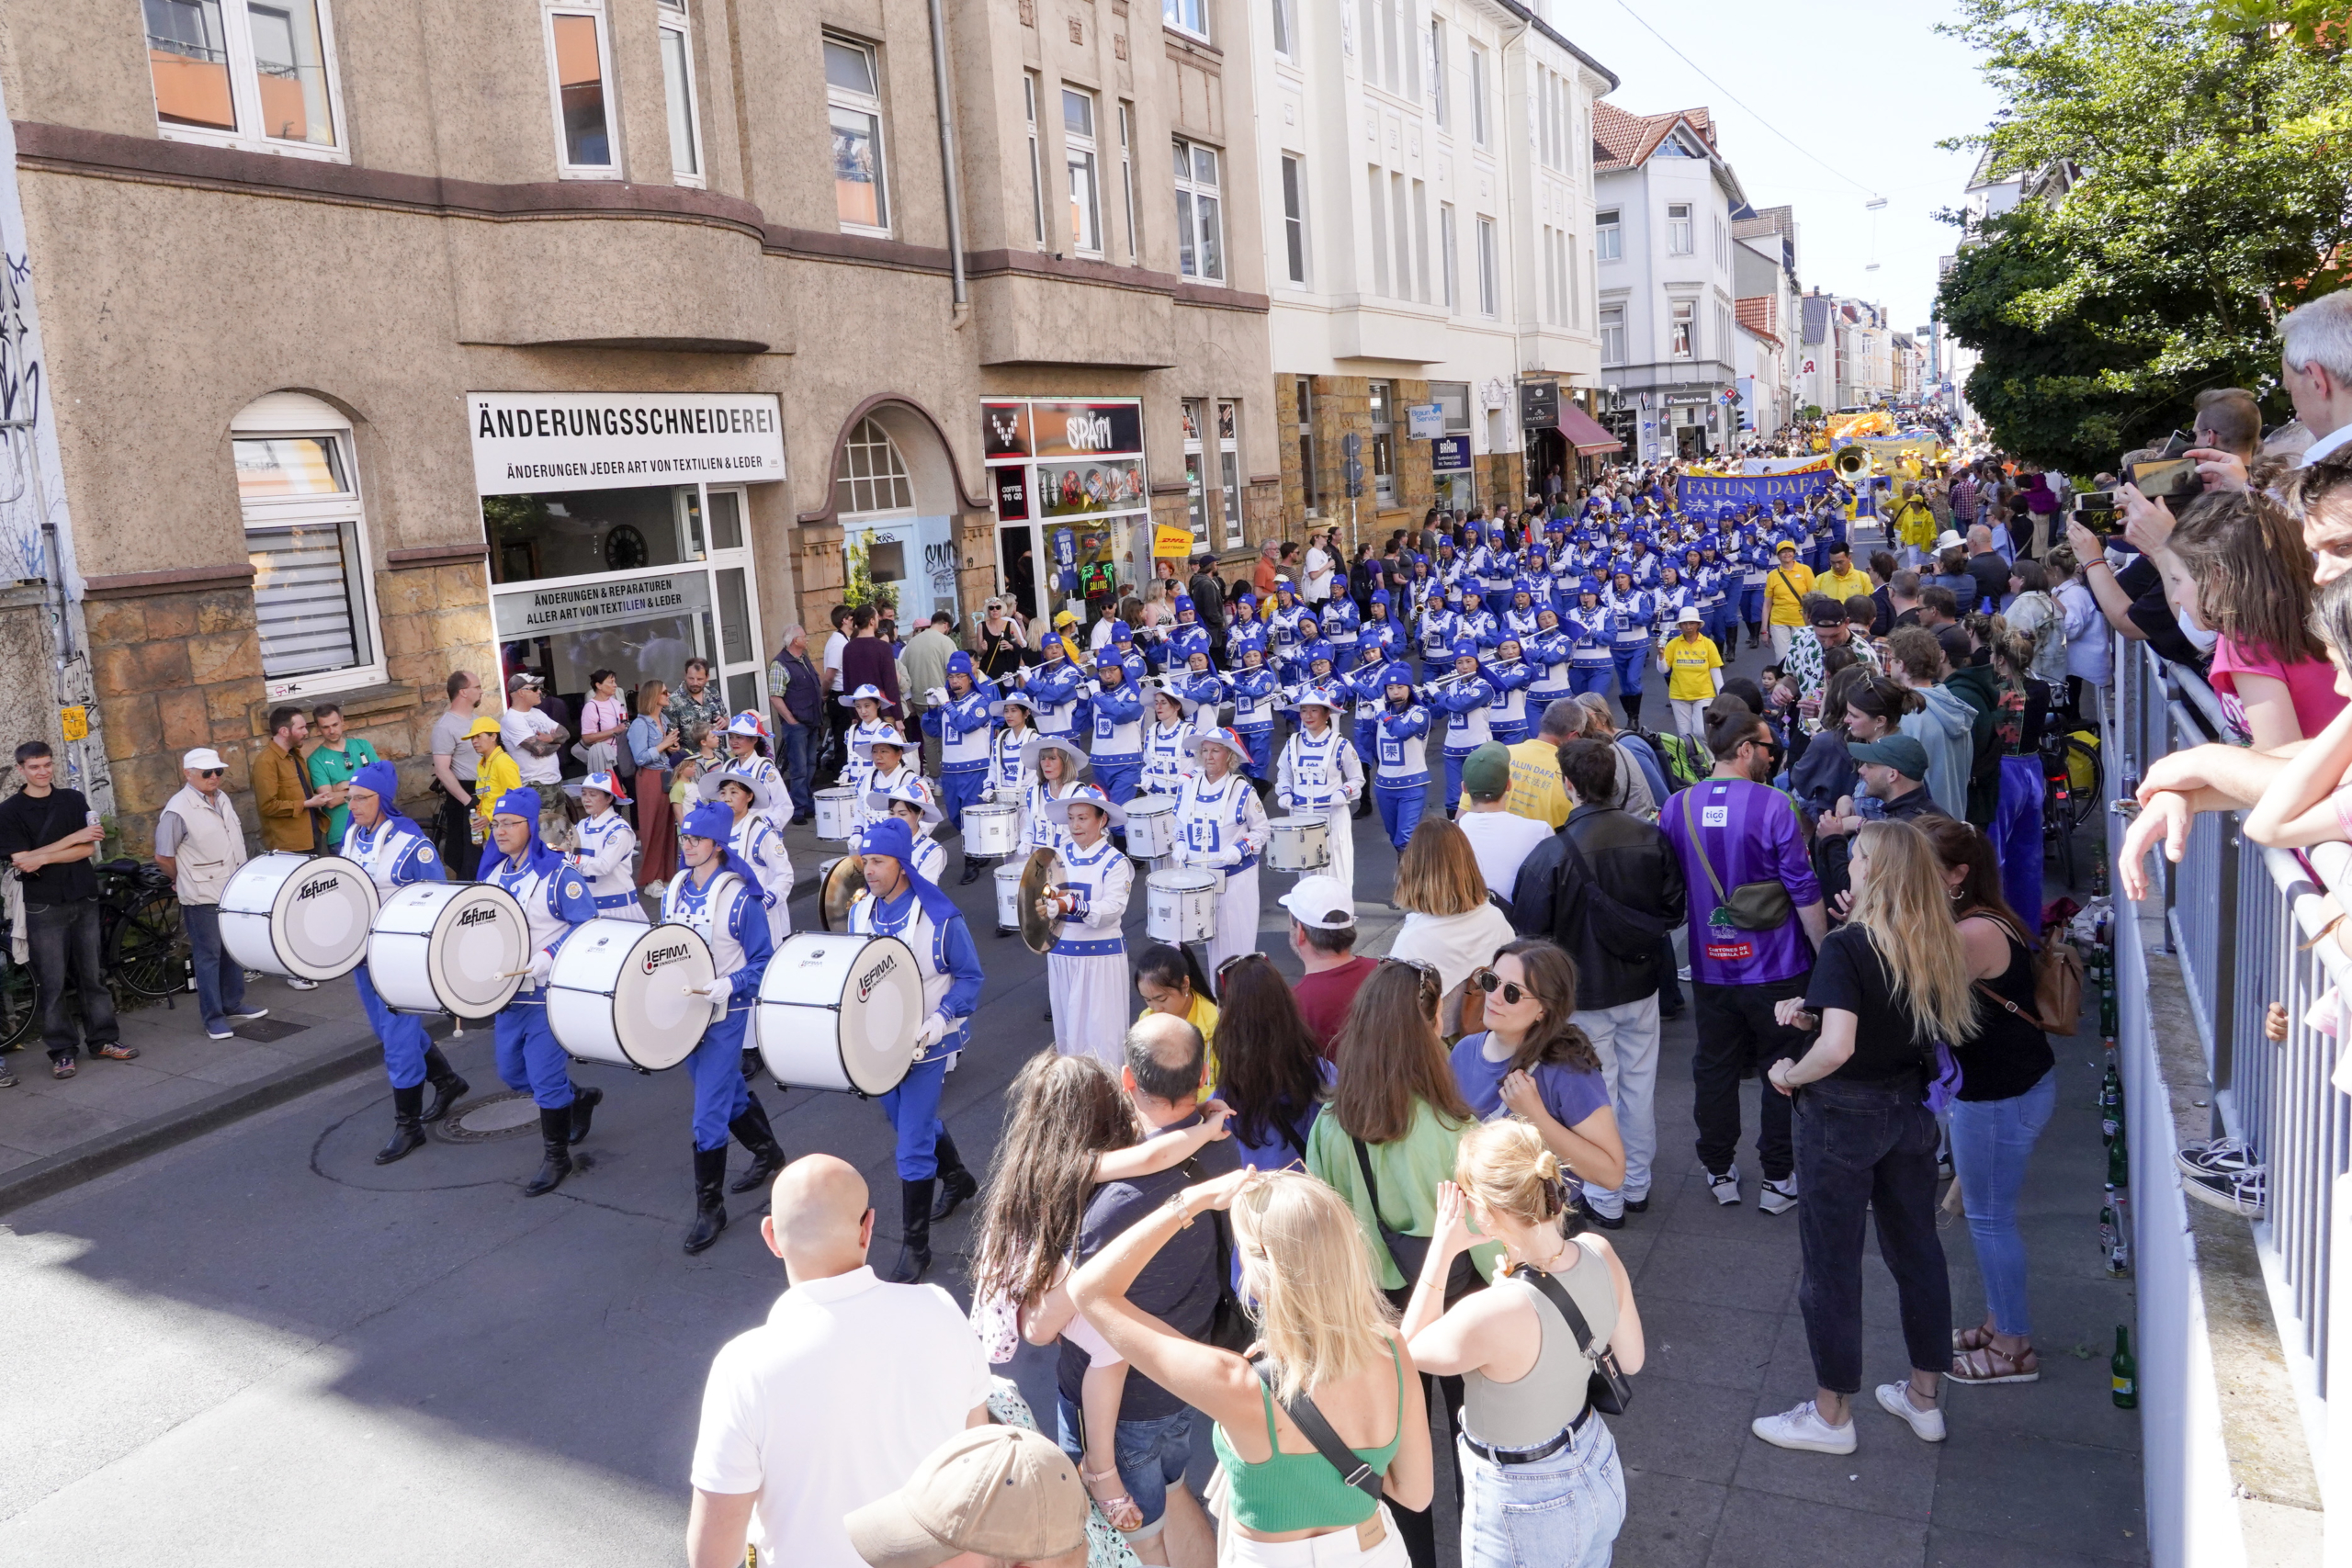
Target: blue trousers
<point x="1509" y="734"/>
<point x="1118" y="779"/>
<point x="1261" y="752"/>
<point x="1723" y="625"/>
<point x="913" y="1111"/>
<point x="1751" y="605"/>
<point x="1454" y="761"/>
<point x="219" y="979"/>
<point x="1583" y="677"/>
<point x="1629" y="659"/>
<point x="1400" y="810"/>
<point x="717" y="1069"/>
<point x="959" y="790"/>
<point x="402" y="1036"/>
<point x="1498" y="601"/>
<point x="529" y="1056"/>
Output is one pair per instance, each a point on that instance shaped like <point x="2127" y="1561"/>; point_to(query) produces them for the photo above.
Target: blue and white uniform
<point x="1055" y="688"/>
<point x="727" y="912"/>
<point x="394" y="854"/>
<point x="754" y="839"/>
<point x="1114" y="733"/>
<point x="554" y="898"/>
<point x="1400" y="780"/>
<point x="1465" y="701"/>
<point x="1548" y="656"/>
<point x="1634" y="612"/>
<point x="1166" y="758"/>
<point x="605" y="853"/>
<point x="1320" y="775"/>
<point x="964" y="727"/>
<point x="1255" y="692"/>
<point x="1506" y="712"/>
<point x="927" y="920"/>
<point x="1086" y="970"/>
<point x="1221" y="827"/>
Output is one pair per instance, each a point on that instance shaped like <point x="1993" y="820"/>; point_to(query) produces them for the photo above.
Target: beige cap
<point x="1003" y="1492"/>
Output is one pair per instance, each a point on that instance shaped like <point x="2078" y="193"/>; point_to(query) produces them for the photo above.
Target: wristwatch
<point x="1175" y="1204"/>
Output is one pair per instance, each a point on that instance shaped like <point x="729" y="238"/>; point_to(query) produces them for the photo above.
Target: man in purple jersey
<point x="1729" y="830"/>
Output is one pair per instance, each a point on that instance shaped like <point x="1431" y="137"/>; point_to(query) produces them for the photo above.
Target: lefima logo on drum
<point x="316" y="885"/>
<point x="477" y="915"/>
<point x="873" y="977"/>
<point x="656" y="957"/>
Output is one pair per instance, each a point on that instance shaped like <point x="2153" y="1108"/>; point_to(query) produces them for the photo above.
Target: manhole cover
<point x="268" y="1028"/>
<point x="506" y="1115"/>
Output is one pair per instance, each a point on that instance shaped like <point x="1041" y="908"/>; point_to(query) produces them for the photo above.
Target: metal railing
<point x="2240" y="921"/>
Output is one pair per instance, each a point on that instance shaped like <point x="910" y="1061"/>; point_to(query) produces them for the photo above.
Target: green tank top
<point x="1302" y="1491"/>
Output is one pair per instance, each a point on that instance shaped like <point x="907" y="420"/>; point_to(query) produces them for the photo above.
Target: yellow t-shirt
<point x="1535" y="792"/>
<point x="493" y="776"/>
<point x="1201" y="1016"/>
<point x="1784" y="591"/>
<point x="1688" y="664"/>
<point x="1842" y="585"/>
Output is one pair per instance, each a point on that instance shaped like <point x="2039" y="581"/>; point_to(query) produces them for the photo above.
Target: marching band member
<point x="1320" y="775"/>
<point x="606" y="849"/>
<point x="1362" y="685"/>
<point x="1006" y="782"/>
<point x="395" y="852"/>
<point x="901" y="901"/>
<point x="1164" y="754"/>
<point x="1754" y="558"/>
<point x="554" y="898"/>
<point x="888" y="753"/>
<point x="1342" y="625"/>
<point x="868" y="700"/>
<point x="1282" y="627"/>
<point x="1479" y="624"/>
<point x="719" y="897"/>
<point x="1510" y="675"/>
<point x="1055" y="771"/>
<point x="1055" y="688"/>
<point x="1131" y="658"/>
<point x="1202" y="687"/>
<point x="959" y="717"/>
<point x="1255" y="691"/>
<point x="1464" y="699"/>
<point x="747" y="752"/>
<point x="753" y="838"/>
<point x="1634" y="610"/>
<point x="911" y="801"/>
<point x="1548" y="657"/>
<point x="1221" y="827"/>
<point x="1519" y="621"/>
<point x="1116" y="727"/>
<point x="1379" y="631"/>
<point x="1086" y="972"/>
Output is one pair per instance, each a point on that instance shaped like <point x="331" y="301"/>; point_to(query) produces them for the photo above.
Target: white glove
<point x="936" y="697"/>
<point x="720" y="990"/>
<point x="933" y="1029"/>
<point x="542" y="963"/>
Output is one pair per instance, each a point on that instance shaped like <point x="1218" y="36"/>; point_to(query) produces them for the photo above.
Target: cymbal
<point x="840" y="883"/>
<point x="1044" y="869"/>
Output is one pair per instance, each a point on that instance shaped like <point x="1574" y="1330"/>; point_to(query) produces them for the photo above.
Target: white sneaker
<point x="1928" y="1425"/>
<point x="1778" y="1197"/>
<point x="294" y="984"/>
<point x="1803" y="1427"/>
<point x="1725" y="1186"/>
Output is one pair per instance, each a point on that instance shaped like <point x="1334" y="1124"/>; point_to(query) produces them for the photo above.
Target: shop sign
<point x="1424" y="421"/>
<point x="1171" y="543"/>
<point x="1011" y="493"/>
<point x="1539" y="405"/>
<point x="1011" y="432"/>
<point x="542" y="443"/>
<point x="565" y="607"/>
<point x="1450" y="455"/>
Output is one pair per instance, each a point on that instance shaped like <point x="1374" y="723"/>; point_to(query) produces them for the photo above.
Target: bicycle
<point x="142" y="946"/>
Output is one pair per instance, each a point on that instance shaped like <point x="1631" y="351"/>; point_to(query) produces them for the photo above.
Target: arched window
<point x="871" y="476"/>
<point x="305" y="531"/>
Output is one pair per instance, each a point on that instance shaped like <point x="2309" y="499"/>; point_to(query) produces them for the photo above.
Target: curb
<point x="125" y="1145"/>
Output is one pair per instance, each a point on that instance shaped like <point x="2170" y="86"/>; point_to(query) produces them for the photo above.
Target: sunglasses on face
<point x="1491" y="983"/>
<point x="209" y="772"/>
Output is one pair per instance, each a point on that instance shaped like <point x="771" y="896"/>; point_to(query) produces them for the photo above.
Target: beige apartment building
<point x="386" y="337"/>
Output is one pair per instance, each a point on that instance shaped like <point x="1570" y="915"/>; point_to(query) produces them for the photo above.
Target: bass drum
<point x="456" y="947"/>
<point x="839" y="1011"/>
<point x="622" y="992"/>
<point x="305" y="917"/>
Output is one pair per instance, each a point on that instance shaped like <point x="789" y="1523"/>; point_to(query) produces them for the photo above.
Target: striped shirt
<point x="1749" y="833"/>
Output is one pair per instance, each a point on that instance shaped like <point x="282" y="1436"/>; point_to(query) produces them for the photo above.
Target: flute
<point x="1449" y="680"/>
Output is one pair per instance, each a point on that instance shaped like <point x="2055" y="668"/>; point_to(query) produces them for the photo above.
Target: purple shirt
<point x="1750" y="834"/>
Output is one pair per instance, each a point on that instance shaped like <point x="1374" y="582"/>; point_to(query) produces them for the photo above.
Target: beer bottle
<point x="2124" y="1373"/>
<point x="2111" y="1104"/>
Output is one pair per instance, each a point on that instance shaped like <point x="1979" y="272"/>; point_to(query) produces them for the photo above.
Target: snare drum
<point x="837" y="814"/>
<point x="621" y="992"/>
<point x="453" y="947"/>
<point x="1152" y="827"/>
<point x="991" y="831"/>
<point x="1008" y="897"/>
<point x="839" y="1011"/>
<point x="305" y="916"/>
<point x="1299" y="843"/>
<point x="1180" y="905"/>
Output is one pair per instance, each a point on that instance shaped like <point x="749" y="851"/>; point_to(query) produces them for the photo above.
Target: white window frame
<point x="1196" y="493"/>
<point x="1682" y="317"/>
<point x="1613" y="335"/>
<point x="670" y="20"/>
<point x="1228" y="460"/>
<point x="1190" y="194"/>
<point x="1081" y="161"/>
<point x="1188" y="16"/>
<point x="1127" y="175"/>
<point x="855" y="102"/>
<point x="1381" y="407"/>
<point x="244" y="93"/>
<point x="1441" y="106"/>
<point x="1297" y="263"/>
<point x="1482" y="117"/>
<point x="1680" y="233"/>
<point x="1310" y="494"/>
<point x="1609" y="235"/>
<point x="1422" y="241"/>
<point x="1375" y="185"/>
<point x="1449" y="257"/>
<point x="294" y="415"/>
<point x="1283" y="13"/>
<point x="1490" y="282"/>
<point x="1400" y="235"/>
<point x="1029" y="92"/>
<point x="564" y="167"/>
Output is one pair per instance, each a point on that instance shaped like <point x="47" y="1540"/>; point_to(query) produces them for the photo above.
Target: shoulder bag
<point x="1229" y="1325"/>
<point x="1410" y="1252"/>
<point x="1317" y="1430"/>
<point x="1752" y="906"/>
<point x="1609" y="1391"/>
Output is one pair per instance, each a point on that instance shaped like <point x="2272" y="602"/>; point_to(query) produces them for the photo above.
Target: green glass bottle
<point x="2124" y="1373"/>
<point x="2119" y="1161"/>
<point x="2111" y="1104"/>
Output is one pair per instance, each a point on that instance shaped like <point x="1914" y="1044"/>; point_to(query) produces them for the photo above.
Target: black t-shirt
<point x="1847" y="973"/>
<point x="2008" y="1056"/>
<point x="30" y="823"/>
<point x="1178" y="1286"/>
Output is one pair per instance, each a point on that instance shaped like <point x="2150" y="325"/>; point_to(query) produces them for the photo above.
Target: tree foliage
<point x="2212" y="162"/>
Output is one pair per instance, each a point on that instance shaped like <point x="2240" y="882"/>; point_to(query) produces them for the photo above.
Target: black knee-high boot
<point x="914" y="1226"/>
<point x="581" y="1110"/>
<point x="447" y="1086"/>
<point x="408" y="1124"/>
<point x="710" y="1198"/>
<point x="555" y="1138"/>
<point x="956" y="1183"/>
<point x="753" y="1131"/>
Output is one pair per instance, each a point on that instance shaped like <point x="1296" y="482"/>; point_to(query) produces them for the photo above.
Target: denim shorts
<point x="1563" y="1511"/>
<point x="1152" y="1456"/>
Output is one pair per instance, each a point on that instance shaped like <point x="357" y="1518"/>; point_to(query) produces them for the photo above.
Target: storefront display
<point x="1072" y="502"/>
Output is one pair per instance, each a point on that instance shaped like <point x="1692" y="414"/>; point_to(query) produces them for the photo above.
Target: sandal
<point x="1122" y="1511"/>
<point x="1988" y="1365"/>
<point x="1975" y="1338"/>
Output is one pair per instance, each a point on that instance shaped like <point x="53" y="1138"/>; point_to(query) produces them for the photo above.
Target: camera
<point x="2165" y="473"/>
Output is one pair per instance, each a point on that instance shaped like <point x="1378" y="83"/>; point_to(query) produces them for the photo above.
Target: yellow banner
<point x="1172" y="544"/>
<point x="1887" y="449"/>
<point x="1876" y="422"/>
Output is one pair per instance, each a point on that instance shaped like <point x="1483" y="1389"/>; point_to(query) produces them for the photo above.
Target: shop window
<point x="245" y="73"/>
<point x="306" y="535"/>
<point x="1078" y="153"/>
<point x="1384" y="441"/>
<point x="678" y="88"/>
<point x="1196" y="501"/>
<point x="854" y="107"/>
<point x="1200" y="213"/>
<point x="580" y="76"/>
<point x="1191" y="16"/>
<point x="1310" y="490"/>
<point x="1607" y="235"/>
<point x="1677" y="229"/>
<point x="1229" y="457"/>
<point x="871" y="476"/>
<point x="1294" y="216"/>
<point x="1682" y="334"/>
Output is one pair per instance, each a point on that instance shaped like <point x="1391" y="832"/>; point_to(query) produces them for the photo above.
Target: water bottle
<point x="2124" y="1373"/>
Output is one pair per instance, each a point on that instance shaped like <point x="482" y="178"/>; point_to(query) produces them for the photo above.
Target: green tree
<point x="2210" y="189"/>
<point x="861" y="589"/>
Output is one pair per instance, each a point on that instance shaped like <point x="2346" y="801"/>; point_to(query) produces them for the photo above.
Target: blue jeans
<point x="1561" y="1512"/>
<point x="798" y="741"/>
<point x="219" y="979"/>
<point x="65" y="943"/>
<point x="1151" y="1458"/>
<point x="1991" y="1140"/>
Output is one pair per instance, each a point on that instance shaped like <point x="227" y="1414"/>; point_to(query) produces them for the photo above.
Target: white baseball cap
<point x="201" y="758"/>
<point x="1321" y="903"/>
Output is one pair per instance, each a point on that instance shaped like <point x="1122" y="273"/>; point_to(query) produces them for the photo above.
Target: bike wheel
<point x="145" y="950"/>
<point x="2090" y="800"/>
<point x="20" y="997"/>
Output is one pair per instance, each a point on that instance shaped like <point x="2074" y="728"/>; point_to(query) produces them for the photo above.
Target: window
<point x="1036" y="164"/>
<point x="1199" y="218"/>
<point x="1077" y="151"/>
<point x="1613" y="335"/>
<point x="872" y="476"/>
<point x="1294" y="216"/>
<point x="1196" y="495"/>
<point x="1127" y="173"/>
<point x="306" y="535"/>
<point x="1677" y="228"/>
<point x="1191" y="16"/>
<point x="1446" y="251"/>
<point x="1682" y="336"/>
<point x="1552" y="98"/>
<point x="579" y="53"/>
<point x="1387" y="47"/>
<point x="1377" y="210"/>
<point x="1454" y="397"/>
<point x="237" y="72"/>
<point x="1552" y="283"/>
<point x="1608" y="238"/>
<point x="1481" y="118"/>
<point x="1490" y="285"/>
<point x="1285" y="21"/>
<point x="1421" y="241"/>
<point x="678" y="86"/>
<point x="1400" y="233"/>
<point x="1308" y="488"/>
<point x="854" y="103"/>
<point x="1384" y="441"/>
<point x="1228" y="460"/>
<point x="1437" y="75"/>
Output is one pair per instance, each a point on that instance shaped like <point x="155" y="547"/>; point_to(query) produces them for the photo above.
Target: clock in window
<point x="624" y="549"/>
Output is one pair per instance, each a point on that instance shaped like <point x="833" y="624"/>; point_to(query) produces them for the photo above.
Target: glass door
<point x="743" y="665"/>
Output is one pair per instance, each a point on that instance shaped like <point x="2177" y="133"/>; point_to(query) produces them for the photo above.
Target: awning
<point x="1585" y="433"/>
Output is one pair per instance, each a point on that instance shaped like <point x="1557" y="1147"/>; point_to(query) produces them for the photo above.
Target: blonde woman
<point x="1450" y="924"/>
<point x="1542" y="1479"/>
<point x="1887" y="987"/>
<point x="1325" y="1339"/>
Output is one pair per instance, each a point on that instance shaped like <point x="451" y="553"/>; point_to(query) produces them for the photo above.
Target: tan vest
<point x="213" y="846"/>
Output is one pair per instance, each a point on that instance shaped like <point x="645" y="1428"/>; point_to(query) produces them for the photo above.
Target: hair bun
<point x="1547" y="1165"/>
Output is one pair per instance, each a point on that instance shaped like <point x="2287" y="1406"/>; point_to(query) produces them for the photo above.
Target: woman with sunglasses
<point x="1266" y="1065"/>
<point x="1387" y="1139"/>
<point x="1542" y="1478"/>
<point x="1532" y="1062"/>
